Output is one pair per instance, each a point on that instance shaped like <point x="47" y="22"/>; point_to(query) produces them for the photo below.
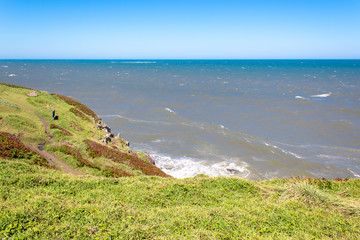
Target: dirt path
<point x="46" y="126"/>
<point x="48" y="156"/>
<point x="52" y="159"/>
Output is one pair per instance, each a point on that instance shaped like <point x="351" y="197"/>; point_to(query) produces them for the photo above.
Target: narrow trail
<point x="46" y="126"/>
<point x="48" y="156"/>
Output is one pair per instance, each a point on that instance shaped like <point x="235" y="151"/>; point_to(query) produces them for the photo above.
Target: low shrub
<point x="11" y="147"/>
<point x="97" y="150"/>
<point x="15" y="86"/>
<point x="77" y="155"/>
<point x="62" y="130"/>
<point x="115" y="172"/>
<point x="75" y="126"/>
<point x="79" y="114"/>
<point x="78" y="105"/>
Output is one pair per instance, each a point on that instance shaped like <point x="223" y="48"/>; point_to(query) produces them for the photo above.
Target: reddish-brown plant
<point x="62" y="130"/>
<point x="12" y="148"/>
<point x="97" y="150"/>
<point x="77" y="155"/>
<point x="115" y="172"/>
<point x="79" y="114"/>
<point x="78" y="105"/>
<point x="15" y="86"/>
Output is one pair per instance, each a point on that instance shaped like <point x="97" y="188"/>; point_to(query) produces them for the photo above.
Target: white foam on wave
<point x="331" y="157"/>
<point x="283" y="150"/>
<point x="322" y="95"/>
<point x="354" y="173"/>
<point x="169" y="110"/>
<point x="12" y="75"/>
<point x="134" y="119"/>
<point x="300" y="97"/>
<point x="4" y="66"/>
<point x="139" y="62"/>
<point x="187" y="167"/>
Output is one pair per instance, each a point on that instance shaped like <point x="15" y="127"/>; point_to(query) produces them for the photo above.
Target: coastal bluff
<point x="66" y="135"/>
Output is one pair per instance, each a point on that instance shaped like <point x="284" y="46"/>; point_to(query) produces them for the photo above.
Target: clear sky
<point x="179" y="29"/>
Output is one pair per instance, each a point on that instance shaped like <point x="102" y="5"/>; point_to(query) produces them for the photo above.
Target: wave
<point x="283" y="150"/>
<point x="169" y="110"/>
<point x="158" y="141"/>
<point x="187" y="167"/>
<point x="12" y="75"/>
<point x="300" y="97"/>
<point x="322" y="95"/>
<point x="138" y="62"/>
<point x="203" y="126"/>
<point x="4" y="66"/>
<point x="325" y="147"/>
<point x="134" y="119"/>
<point x="354" y="173"/>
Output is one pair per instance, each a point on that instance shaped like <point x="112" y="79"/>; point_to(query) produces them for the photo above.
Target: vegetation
<point x="62" y="130"/>
<point x="97" y="150"/>
<point x="64" y="138"/>
<point x="79" y="114"/>
<point x="120" y="195"/>
<point x="12" y="148"/>
<point x="41" y="203"/>
<point x="77" y="155"/>
<point x="78" y="105"/>
<point x="15" y="86"/>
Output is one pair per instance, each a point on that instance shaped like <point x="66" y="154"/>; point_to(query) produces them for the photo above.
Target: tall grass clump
<point x="8" y="106"/>
<point x="307" y="192"/>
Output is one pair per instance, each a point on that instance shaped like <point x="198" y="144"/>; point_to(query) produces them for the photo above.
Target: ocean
<point x="254" y="119"/>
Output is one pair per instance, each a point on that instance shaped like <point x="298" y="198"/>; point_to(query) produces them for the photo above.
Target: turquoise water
<point x="255" y="119"/>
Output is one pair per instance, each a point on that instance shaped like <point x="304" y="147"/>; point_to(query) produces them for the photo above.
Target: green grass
<point x="42" y="203"/>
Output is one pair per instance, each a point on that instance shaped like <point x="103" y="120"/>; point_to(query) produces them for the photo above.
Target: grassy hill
<point x="58" y="180"/>
<point x="72" y="140"/>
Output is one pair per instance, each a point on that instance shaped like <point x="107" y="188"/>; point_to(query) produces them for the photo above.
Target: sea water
<point x="256" y="119"/>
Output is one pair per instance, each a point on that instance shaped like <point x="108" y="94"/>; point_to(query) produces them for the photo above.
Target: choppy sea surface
<point x="256" y="119"/>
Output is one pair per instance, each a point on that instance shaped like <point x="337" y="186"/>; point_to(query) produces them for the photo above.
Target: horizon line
<point x="175" y="59"/>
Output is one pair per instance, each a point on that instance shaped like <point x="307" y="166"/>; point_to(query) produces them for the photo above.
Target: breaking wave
<point x="169" y="110"/>
<point x="354" y="173"/>
<point x="322" y="95"/>
<point x="187" y="167"/>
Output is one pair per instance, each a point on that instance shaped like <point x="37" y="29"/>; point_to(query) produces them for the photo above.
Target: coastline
<point x="99" y="190"/>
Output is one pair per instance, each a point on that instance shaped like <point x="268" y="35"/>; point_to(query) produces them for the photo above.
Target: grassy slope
<point x="43" y="203"/>
<point x="19" y="115"/>
<point x="37" y="202"/>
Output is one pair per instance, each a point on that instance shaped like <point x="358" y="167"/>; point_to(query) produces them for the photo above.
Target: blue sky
<point x="183" y="29"/>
